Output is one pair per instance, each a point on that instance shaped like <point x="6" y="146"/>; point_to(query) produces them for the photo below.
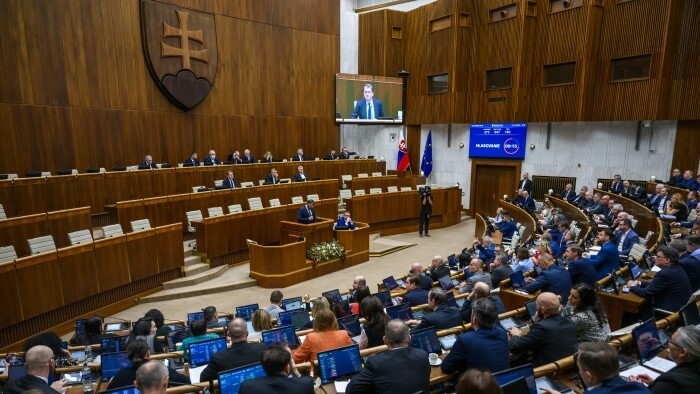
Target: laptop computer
<point x="400" y="311"/>
<point x="113" y="344"/>
<point x="545" y="382"/>
<point x="119" y="326"/>
<point x="295" y="302"/>
<point x="351" y="324"/>
<point x="339" y="364"/>
<point x="452" y="301"/>
<point x="201" y="352"/>
<point x="426" y="339"/>
<point x="300" y="320"/>
<point x="635" y="271"/>
<point x="648" y="345"/>
<point x="341" y="309"/>
<point x="452" y="262"/>
<point x="390" y="283"/>
<point x="333" y="296"/>
<point x="517" y="280"/>
<point x="285" y="318"/>
<point x="448" y="341"/>
<point x="246" y="311"/>
<point x="80" y="327"/>
<point x="177" y="336"/>
<point x="122" y="390"/>
<point x="111" y="363"/>
<point x="386" y="298"/>
<point x="447" y="283"/>
<point x="194" y="316"/>
<point x="230" y="381"/>
<point x="281" y="334"/>
<point x="513" y="374"/>
<point x="690" y="315"/>
<point x="518" y="386"/>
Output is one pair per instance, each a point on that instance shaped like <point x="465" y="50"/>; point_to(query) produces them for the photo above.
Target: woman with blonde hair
<point x="676" y="207"/>
<point x="261" y="321"/>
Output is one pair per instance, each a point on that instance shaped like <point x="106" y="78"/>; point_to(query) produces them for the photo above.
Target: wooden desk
<point x="572" y="213"/>
<point x="513" y="299"/>
<point x="616" y="305"/>
<point x="646" y="221"/>
<point x="313" y="233"/>
<point x="383" y="182"/>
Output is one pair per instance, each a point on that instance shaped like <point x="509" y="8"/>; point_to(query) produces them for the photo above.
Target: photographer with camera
<point x="426" y="208"/>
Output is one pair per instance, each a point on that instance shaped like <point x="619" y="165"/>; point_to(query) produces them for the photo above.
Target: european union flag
<point x="427" y="164"/>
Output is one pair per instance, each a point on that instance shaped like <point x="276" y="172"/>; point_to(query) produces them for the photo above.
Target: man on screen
<point x="369" y="107"/>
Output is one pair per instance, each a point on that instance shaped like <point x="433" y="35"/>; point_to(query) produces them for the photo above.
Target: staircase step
<point x="231" y="278"/>
<point x="192" y="260"/>
<point x="195" y="269"/>
<point x="195" y="278"/>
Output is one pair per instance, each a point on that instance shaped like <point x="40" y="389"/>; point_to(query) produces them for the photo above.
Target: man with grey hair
<point x="368" y="107"/>
<point x="486" y="347"/>
<point x="477" y="274"/>
<point x="500" y="269"/>
<point x="152" y="378"/>
<point x="39" y="363"/>
<point x="401" y="368"/>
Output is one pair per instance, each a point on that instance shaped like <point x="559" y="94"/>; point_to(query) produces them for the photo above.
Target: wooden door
<point x="491" y="179"/>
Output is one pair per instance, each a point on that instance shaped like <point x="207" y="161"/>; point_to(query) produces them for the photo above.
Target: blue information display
<point x="498" y="140"/>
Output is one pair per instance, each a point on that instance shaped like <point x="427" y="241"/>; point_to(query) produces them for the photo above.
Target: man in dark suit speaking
<point x="369" y="108"/>
<point x="306" y="213"/>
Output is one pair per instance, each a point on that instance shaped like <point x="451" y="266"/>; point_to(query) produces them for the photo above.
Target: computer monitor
<point x="690" y="315"/>
<point x="517" y="279"/>
<point x="246" y="311"/>
<point x="338" y="364"/>
<point x="113" y="344"/>
<point x="351" y="324"/>
<point x="646" y="340"/>
<point x="281" y="334"/>
<point x="333" y="296"/>
<point x="285" y="318"/>
<point x="201" y="352"/>
<point x="401" y="311"/>
<point x="123" y="390"/>
<point x="111" y="363"/>
<point x="294" y="301"/>
<point x="384" y="297"/>
<point x="426" y="339"/>
<point x="341" y="309"/>
<point x="513" y="374"/>
<point x="194" y="316"/>
<point x="230" y="381"/>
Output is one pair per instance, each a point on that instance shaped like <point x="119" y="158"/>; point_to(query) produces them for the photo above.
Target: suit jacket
<point x="691" y="266"/>
<point x="272" y="180"/>
<point x="234" y="160"/>
<point x="341" y="223"/>
<point x="416" y="297"/>
<point x="248" y="160"/>
<point x="278" y="384"/>
<point x="316" y="342"/>
<point x="549" y="340"/>
<point x="230" y="184"/>
<point x="304" y="213"/>
<point x="466" y="310"/>
<point x="616" y="187"/>
<point x="668" y="290"/>
<point x="296" y="157"/>
<point x="29" y="382"/>
<point x="606" y="261"/>
<point x="360" y="111"/>
<point x="638" y="194"/>
<point x="527" y="185"/>
<point x="630" y="240"/>
<point x="439" y="272"/>
<point x="477" y="277"/>
<point x="125" y="377"/>
<point x="332" y="156"/>
<point x="500" y="273"/>
<point x="238" y="355"/>
<point x="674" y="180"/>
<point x="683" y="379"/>
<point x="426" y="282"/>
<point x="570" y="195"/>
<point x="554" y="279"/>
<point x="485" y="348"/>
<point x="582" y="271"/>
<point x="508" y="229"/>
<point x="209" y="162"/>
<point x="441" y="318"/>
<point x="191" y="161"/>
<point x="298" y="178"/>
<point x="143" y="164"/>
<point x="343" y="155"/>
<point x="528" y="203"/>
<point x="401" y="370"/>
<point x="597" y="209"/>
<point x="618" y="385"/>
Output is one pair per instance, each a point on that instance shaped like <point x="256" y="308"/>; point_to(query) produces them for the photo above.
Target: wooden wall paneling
<point x="30" y="195"/>
<point x="10" y="90"/>
<point x="11" y="312"/>
<point x="117" y="187"/>
<point x="177" y="206"/>
<point x="185" y="179"/>
<point x="48" y="17"/>
<point x="38" y="279"/>
<point x="156" y="211"/>
<point x="413" y="141"/>
<point x="668" y="57"/>
<point x="142" y="262"/>
<point x="7" y="198"/>
<point x="169" y="249"/>
<point x="371" y="34"/>
<point x="199" y="201"/>
<point x="92" y="191"/>
<point x="63" y="190"/>
<point x="211" y="236"/>
<point x="686" y="91"/>
<point x="219" y="198"/>
<point x="686" y="155"/>
<point x="78" y="273"/>
<point x="112" y="262"/>
<point x="128" y="211"/>
<point x="33" y="143"/>
<point x="63" y="222"/>
<point x="165" y="182"/>
<point x="142" y="183"/>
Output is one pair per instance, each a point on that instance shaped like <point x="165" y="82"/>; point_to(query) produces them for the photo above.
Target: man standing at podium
<point x="306" y="213"/>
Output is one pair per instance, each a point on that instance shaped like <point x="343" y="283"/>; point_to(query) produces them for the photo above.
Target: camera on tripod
<point x="424" y="191"/>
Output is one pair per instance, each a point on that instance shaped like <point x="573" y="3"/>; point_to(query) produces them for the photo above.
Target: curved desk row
<point x="646" y="221"/>
<point x="519" y="215"/>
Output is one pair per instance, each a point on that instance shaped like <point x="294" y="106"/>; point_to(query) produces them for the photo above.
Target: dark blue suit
<point x="568" y="196"/>
<point x="248" y="160"/>
<point x="619" y="385"/>
<point x="341" y="223"/>
<point x="416" y="297"/>
<point x="528" y="203"/>
<point x="631" y="240"/>
<point x="691" y="266"/>
<point x="304" y="213"/>
<point x="606" y="261"/>
<point x="508" y="229"/>
<point x="668" y="290"/>
<point x="582" y="271"/>
<point x="230" y="184"/>
<point x="190" y="161"/>
<point x="443" y="317"/>
<point x="486" y="254"/>
<point x="360" y="111"/>
<point x="466" y="310"/>
<point x="208" y="161"/>
<point x="296" y="157"/>
<point x="485" y="348"/>
<point x="549" y="340"/>
<point x="616" y="187"/>
<point x="554" y="279"/>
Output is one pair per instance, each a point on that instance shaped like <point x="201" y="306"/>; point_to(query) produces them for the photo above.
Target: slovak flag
<point x="403" y="160"/>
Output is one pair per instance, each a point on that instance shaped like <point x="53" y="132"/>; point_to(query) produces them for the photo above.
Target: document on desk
<point x="341" y="385"/>
<point x="638" y="370"/>
<point x="660" y="364"/>
<point x="195" y="373"/>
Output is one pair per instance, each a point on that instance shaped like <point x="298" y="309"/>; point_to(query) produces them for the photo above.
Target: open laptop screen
<point x="426" y="339"/>
<point x="400" y="311"/>
<point x="111" y="363"/>
<point x="293" y="300"/>
<point x="300" y="320"/>
<point x="230" y="381"/>
<point x="246" y="311"/>
<point x="341" y="309"/>
<point x="194" y="316"/>
<point x="390" y="283"/>
<point x="646" y="340"/>
<point x="351" y="324"/>
<point x="446" y="283"/>
<point x="531" y="307"/>
<point x="281" y="334"/>
<point x="113" y="344"/>
<point x="339" y="363"/>
<point x="690" y="315"/>
<point x="80" y="327"/>
<point x="333" y="296"/>
<point x="513" y="374"/>
<point x="384" y="297"/>
<point x="285" y="318"/>
<point x="201" y="352"/>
